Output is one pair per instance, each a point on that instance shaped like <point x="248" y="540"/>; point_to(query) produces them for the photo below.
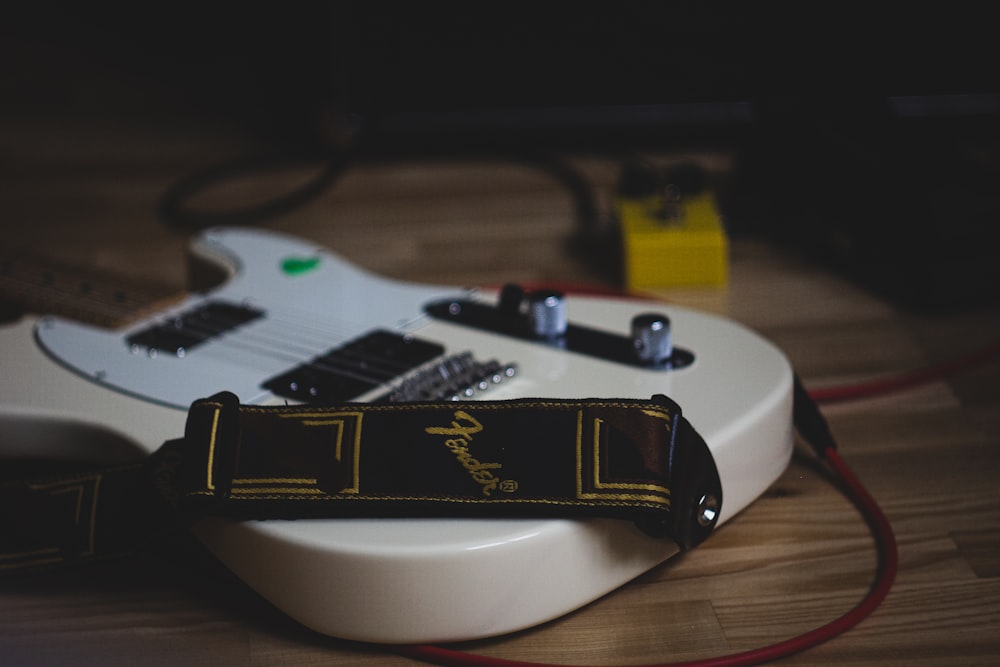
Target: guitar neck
<point x="33" y="283"/>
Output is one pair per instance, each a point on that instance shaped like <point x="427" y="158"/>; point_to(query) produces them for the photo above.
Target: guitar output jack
<point x="708" y="510"/>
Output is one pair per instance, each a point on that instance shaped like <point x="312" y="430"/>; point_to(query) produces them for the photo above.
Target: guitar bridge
<point x="456" y="378"/>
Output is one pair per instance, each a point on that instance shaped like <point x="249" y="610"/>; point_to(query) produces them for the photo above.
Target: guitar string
<point x="294" y="337"/>
<point x="291" y="325"/>
<point x="299" y="339"/>
<point x="377" y="369"/>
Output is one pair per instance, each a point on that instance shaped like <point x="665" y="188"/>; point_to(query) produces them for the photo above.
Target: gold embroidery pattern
<point x="609" y="495"/>
<point x="591" y="482"/>
<point x="81" y="495"/>
<point x="345" y="436"/>
<point x="209" y="482"/>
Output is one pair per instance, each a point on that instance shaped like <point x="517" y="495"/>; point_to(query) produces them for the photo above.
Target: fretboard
<point x="36" y="284"/>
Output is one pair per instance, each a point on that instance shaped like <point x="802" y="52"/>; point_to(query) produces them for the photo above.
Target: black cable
<point x="173" y="206"/>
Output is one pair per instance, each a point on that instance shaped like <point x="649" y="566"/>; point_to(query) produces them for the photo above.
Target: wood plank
<point x="793" y="560"/>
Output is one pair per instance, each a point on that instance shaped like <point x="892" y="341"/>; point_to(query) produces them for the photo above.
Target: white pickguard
<point x="70" y="387"/>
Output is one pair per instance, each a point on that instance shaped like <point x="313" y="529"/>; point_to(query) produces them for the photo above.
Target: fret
<point x="37" y="284"/>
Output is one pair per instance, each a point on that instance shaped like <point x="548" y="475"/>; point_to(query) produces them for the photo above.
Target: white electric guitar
<point x="295" y="323"/>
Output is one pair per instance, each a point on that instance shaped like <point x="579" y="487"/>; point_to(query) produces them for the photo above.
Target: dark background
<point x="864" y="137"/>
<point x="280" y="68"/>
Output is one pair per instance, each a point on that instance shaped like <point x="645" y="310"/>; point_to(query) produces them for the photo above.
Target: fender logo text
<point x="459" y="436"/>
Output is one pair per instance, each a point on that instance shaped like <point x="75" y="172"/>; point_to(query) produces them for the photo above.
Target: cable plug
<point x="810" y="422"/>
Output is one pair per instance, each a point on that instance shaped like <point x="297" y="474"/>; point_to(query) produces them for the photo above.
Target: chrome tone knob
<point x="547" y="314"/>
<point x="651" y="338"/>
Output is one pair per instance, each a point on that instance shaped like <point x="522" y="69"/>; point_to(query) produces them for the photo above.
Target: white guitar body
<point x="70" y="388"/>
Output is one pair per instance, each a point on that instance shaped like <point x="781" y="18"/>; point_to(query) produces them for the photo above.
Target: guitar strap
<point x="633" y="460"/>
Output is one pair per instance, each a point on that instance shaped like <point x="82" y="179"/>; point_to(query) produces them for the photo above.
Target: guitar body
<point x="73" y="390"/>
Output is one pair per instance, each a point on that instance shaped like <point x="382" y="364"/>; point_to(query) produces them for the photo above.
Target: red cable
<point x="885" y="540"/>
<point x="885" y="576"/>
<point x="906" y="380"/>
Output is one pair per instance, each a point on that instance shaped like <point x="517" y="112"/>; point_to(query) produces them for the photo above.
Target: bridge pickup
<point x="179" y="334"/>
<point x="358" y="366"/>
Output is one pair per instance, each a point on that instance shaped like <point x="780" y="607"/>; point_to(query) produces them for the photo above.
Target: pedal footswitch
<point x="672" y="231"/>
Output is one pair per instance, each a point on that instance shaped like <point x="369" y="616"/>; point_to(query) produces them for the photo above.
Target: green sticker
<point x="296" y="266"/>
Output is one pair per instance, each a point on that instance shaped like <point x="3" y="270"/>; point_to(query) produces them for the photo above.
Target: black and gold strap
<point x="624" y="459"/>
<point x="84" y="512"/>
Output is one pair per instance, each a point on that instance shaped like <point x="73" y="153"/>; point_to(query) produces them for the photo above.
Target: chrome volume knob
<point x="651" y="338"/>
<point x="547" y="314"/>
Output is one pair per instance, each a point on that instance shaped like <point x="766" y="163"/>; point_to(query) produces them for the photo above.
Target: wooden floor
<point x="795" y="559"/>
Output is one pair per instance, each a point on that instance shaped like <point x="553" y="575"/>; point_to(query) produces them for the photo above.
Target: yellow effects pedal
<point x="672" y="232"/>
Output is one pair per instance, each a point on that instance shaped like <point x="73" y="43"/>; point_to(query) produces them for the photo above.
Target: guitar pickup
<point x="183" y="332"/>
<point x="358" y="366"/>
